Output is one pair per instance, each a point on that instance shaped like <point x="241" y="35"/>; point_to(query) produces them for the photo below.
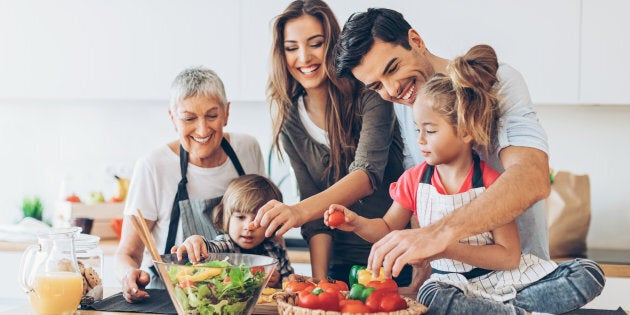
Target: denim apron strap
<point x="182" y="194"/>
<point x="196" y="215"/>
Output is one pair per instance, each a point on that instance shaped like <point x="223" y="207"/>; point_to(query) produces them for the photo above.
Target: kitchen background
<point x="84" y="84"/>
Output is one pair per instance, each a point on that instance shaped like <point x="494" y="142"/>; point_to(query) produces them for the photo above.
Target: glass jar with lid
<point x="90" y="260"/>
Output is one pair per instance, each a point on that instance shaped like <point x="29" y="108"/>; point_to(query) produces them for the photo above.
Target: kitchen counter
<point x="108" y="291"/>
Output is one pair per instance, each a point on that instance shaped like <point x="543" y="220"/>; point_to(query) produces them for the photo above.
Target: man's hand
<point x="278" y="218"/>
<point x="402" y="247"/>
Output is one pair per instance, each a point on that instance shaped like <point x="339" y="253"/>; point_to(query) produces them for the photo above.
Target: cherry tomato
<point x="336" y="219"/>
<point x="255" y="270"/>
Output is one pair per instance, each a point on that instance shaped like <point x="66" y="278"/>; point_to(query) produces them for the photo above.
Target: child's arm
<point x="371" y="230"/>
<point x="200" y="247"/>
<point x="196" y="247"/>
<point x="503" y="255"/>
<point x="319" y="247"/>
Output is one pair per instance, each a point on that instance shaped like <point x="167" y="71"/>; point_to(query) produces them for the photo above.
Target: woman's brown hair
<point x="245" y="194"/>
<point x="342" y="122"/>
<point x="467" y="96"/>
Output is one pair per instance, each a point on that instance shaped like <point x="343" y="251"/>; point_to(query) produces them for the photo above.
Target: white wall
<point x="83" y="86"/>
<point x="45" y="142"/>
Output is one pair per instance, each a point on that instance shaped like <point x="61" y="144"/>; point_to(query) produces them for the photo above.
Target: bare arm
<point x="504" y="254"/>
<point x="372" y="230"/>
<point x="346" y="191"/>
<point x="525" y="181"/>
<point x="127" y="260"/>
<point x="319" y="248"/>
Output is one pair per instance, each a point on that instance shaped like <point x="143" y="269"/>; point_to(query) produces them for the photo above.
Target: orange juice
<point x="56" y="293"/>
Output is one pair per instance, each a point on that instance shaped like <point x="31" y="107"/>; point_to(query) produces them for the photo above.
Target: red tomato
<point x="336" y="219"/>
<point x="386" y="284"/>
<point x="392" y="302"/>
<point x="385" y="301"/>
<point x="299" y="285"/>
<point x="186" y="283"/>
<point x="332" y="284"/>
<point x="255" y="270"/>
<point x="318" y="299"/>
<point x="353" y="307"/>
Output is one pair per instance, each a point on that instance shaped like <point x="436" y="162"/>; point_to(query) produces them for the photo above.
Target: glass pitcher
<point x="49" y="272"/>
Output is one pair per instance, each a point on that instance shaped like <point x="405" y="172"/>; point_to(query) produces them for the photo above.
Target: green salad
<point x="216" y="287"/>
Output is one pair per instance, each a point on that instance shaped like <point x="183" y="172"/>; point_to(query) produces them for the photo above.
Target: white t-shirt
<point x="311" y="128"/>
<point x="156" y="176"/>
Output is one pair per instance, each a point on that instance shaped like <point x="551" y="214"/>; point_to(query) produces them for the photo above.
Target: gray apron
<point x="196" y="214"/>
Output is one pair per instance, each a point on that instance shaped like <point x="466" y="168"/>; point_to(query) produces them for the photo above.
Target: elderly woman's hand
<point x="133" y="285"/>
<point x="195" y="246"/>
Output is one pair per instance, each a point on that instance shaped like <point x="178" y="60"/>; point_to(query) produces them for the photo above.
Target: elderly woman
<point x="178" y="184"/>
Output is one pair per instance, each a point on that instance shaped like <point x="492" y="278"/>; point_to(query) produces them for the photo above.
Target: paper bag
<point x="568" y="214"/>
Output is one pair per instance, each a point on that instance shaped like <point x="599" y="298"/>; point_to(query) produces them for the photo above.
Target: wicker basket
<point x="287" y="305"/>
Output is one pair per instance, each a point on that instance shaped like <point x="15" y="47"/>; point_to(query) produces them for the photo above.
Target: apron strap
<point x="182" y="194"/>
<point x="427" y="174"/>
<point x="477" y="177"/>
<point x="227" y="148"/>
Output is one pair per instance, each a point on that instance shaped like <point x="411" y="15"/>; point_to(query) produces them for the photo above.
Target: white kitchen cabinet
<point x="116" y="49"/>
<point x="538" y="38"/>
<point x="605" y="77"/>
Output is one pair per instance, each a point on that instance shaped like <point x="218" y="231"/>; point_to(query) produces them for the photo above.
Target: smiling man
<point x="380" y="49"/>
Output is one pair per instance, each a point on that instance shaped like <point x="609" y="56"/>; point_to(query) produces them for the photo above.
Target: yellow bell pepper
<point x="197" y="274"/>
<point x="364" y="276"/>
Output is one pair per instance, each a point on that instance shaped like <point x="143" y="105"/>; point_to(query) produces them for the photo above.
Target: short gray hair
<point x="197" y="81"/>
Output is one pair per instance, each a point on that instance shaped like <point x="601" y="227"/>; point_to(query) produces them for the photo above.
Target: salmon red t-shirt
<point x="404" y="191"/>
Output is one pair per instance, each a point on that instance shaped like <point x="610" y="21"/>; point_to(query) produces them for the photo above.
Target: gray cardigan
<point x="379" y="153"/>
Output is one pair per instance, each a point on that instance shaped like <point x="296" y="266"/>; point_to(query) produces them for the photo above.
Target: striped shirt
<point x="224" y="244"/>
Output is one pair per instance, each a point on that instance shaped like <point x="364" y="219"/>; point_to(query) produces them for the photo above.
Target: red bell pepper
<point x="319" y="299"/>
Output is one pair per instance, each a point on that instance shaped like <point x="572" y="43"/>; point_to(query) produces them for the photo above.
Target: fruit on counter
<point x="73" y="198"/>
<point x="122" y="187"/>
<point x="95" y="197"/>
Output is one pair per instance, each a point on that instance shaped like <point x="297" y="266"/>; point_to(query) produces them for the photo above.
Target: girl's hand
<point x="195" y="246"/>
<point x="340" y="217"/>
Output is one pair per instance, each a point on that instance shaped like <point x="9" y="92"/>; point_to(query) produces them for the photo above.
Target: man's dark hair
<point x="357" y="36"/>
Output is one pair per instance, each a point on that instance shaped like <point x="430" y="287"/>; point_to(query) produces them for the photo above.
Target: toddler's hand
<point x="195" y="246"/>
<point x="274" y="279"/>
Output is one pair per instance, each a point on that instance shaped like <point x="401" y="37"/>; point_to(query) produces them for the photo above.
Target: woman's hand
<point x="195" y="246"/>
<point x="133" y="285"/>
<point x="349" y="217"/>
<point x="278" y="218"/>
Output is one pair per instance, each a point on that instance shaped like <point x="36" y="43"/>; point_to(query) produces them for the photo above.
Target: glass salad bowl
<point x="224" y="283"/>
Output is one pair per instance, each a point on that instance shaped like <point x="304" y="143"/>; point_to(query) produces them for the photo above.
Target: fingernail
<point x="134" y="291"/>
